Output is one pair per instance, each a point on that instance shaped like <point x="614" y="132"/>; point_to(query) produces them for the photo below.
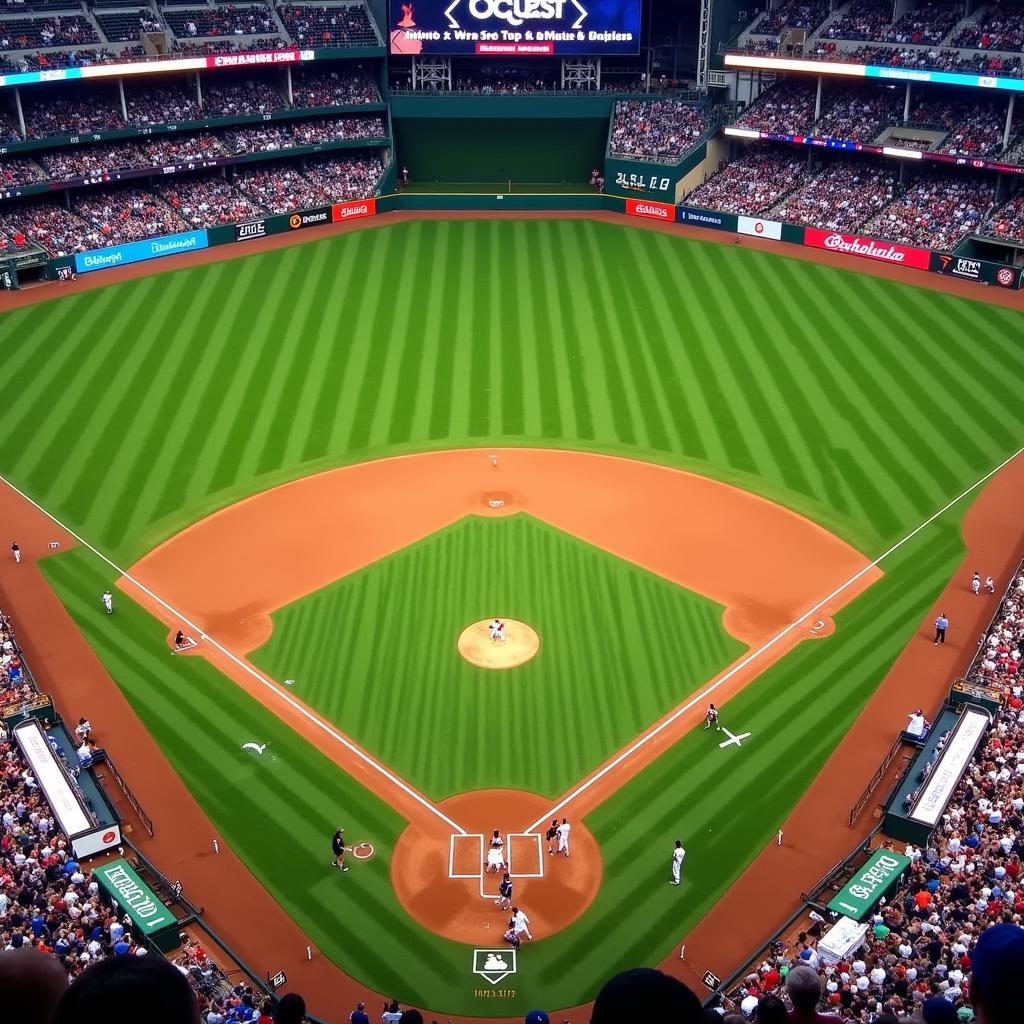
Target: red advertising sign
<point x="234" y="60"/>
<point x="656" y="211"/>
<point x="870" y="248"/>
<point x="353" y="211"/>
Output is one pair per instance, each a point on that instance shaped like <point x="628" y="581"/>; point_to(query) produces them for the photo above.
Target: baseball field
<point x="709" y="469"/>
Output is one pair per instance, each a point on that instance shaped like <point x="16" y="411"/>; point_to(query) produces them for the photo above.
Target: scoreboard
<point x="514" y="28"/>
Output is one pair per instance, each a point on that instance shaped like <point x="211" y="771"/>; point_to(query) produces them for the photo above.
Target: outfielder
<point x="678" y="856"/>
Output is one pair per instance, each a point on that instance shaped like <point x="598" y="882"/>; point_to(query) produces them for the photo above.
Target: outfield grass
<point x="133" y="409"/>
<point x="375" y="653"/>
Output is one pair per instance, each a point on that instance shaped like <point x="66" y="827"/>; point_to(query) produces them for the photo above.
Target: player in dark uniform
<point x="551" y="835"/>
<point x="712" y="718"/>
<point x="504" y="899"/>
<point x="338" y="846"/>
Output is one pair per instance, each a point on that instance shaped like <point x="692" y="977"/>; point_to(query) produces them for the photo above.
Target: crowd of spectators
<point x="207" y="201"/>
<point x="311" y="25"/>
<point x="926" y="25"/>
<point x="998" y="662"/>
<point x="973" y="129"/>
<point x="345" y="177"/>
<point x="15" y="685"/>
<point x="753" y="184"/>
<point x="863" y="19"/>
<point x="999" y="28"/>
<point x="657" y="129"/>
<point x="805" y="14"/>
<point x="279" y="189"/>
<point x="784" y="108"/>
<point x="937" y="210"/>
<point x="126" y="26"/>
<point x="312" y="89"/>
<point x="859" y="114"/>
<point x="55" y="30"/>
<point x="58" y="230"/>
<point x="228" y="96"/>
<point x="69" y="112"/>
<point x="16" y="171"/>
<point x="126" y="214"/>
<point x="161" y="104"/>
<point x="842" y="195"/>
<point x="222" y="20"/>
<point x="267" y="138"/>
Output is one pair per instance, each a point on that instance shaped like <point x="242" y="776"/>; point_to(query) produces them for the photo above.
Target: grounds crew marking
<point x="733" y="739"/>
<point x="494" y="964"/>
<point x="247" y="668"/>
<point x="258" y="747"/>
<point x="362" y="851"/>
<point x="754" y="655"/>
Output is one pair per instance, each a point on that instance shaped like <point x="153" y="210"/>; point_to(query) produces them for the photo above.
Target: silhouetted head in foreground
<point x="645" y="994"/>
<point x="997" y="965"/>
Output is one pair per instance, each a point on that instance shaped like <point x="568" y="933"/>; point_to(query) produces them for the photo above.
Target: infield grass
<point x="376" y="654"/>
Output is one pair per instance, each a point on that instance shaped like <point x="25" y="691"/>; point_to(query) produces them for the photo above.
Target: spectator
<point x="927" y="24"/>
<point x="808" y="15"/>
<point x="658" y="129"/>
<point x="644" y="994"/>
<point x="358" y="1015"/>
<point x="785" y="108"/>
<point x="310" y="25"/>
<point x="803" y="986"/>
<point x="753" y="184"/>
<point x="995" y="974"/>
<point x="312" y="88"/>
<point x="32" y="984"/>
<point x="1006" y="223"/>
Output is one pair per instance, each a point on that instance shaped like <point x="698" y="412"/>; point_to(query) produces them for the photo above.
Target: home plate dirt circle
<point x="521" y="643"/>
<point x="439" y="876"/>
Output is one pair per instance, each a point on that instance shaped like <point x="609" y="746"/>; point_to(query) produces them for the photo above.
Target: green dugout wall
<point x="522" y="150"/>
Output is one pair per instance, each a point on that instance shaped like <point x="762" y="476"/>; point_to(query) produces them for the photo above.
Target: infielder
<point x="976" y="583"/>
<point x="678" y="856"/>
<point x="712" y="718"/>
<point x="990" y="584"/>
<point x="16" y="552"/>
<point x="563" y="837"/>
<point x="108" y="602"/>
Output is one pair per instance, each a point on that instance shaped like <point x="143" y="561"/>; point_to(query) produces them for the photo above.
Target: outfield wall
<point x="947" y="264"/>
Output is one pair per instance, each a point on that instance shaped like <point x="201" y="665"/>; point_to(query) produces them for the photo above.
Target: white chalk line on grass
<point x="246" y="667"/>
<point x="754" y="655"/>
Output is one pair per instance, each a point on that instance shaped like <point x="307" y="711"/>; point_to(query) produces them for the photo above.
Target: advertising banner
<point x="309" y="218"/>
<point x="136" y="252"/>
<point x="705" y="218"/>
<point x="341" y="212"/>
<point x="759" y="228"/>
<point x="515" y="28"/>
<point x="251" y="229"/>
<point x="984" y="271"/>
<point x="119" y="883"/>
<point x="655" y="211"/>
<point x="869" y="248"/>
<point x="868" y="885"/>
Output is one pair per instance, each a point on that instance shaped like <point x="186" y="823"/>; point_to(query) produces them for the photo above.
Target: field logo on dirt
<point x="494" y="964"/>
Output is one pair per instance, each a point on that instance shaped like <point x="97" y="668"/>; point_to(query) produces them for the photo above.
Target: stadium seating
<point x="223" y="20"/>
<point x="805" y="14"/>
<point x="125" y="26"/>
<point x="784" y="108"/>
<point x="657" y="129"/>
<point x="336" y="25"/>
<point x="44" y="31"/>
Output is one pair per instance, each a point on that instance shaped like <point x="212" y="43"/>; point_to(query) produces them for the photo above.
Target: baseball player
<point x="504" y="899"/>
<point x="16" y="552"/>
<point x="338" y="846"/>
<point x="678" y="856"/>
<point x="563" y="837"/>
<point x="976" y="583"/>
<point x="496" y="854"/>
<point x="990" y="585"/>
<point x="712" y="718"/>
<point x="552" y="835"/>
<point x="520" y="924"/>
<point x="108" y="602"/>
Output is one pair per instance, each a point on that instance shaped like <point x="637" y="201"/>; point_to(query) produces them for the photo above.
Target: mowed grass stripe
<point x="532" y="337"/>
<point x="506" y="325"/>
<point x="479" y="310"/>
<point x="559" y="388"/>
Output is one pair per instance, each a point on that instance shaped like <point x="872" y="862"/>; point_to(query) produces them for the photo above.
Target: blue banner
<point x="945" y="78"/>
<point x="706" y="218"/>
<point x="137" y="252"/>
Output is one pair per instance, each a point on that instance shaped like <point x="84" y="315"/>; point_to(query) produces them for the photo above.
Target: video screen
<point x="515" y="28"/>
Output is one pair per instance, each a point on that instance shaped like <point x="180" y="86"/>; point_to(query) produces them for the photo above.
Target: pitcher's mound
<point x="520" y="644"/>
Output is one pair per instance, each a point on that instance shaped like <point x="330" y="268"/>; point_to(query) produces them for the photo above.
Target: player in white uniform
<point x="521" y="923"/>
<point x="108" y="602"/>
<point x="497" y="631"/>
<point x="990" y="584"/>
<point x="712" y="718"/>
<point x="976" y="583"/>
<point x="678" y="854"/>
<point x="496" y="854"/>
<point x="563" y="837"/>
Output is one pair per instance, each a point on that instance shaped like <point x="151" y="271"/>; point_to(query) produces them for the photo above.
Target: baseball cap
<point x="938" y="1011"/>
<point x="536" y="1017"/>
<point x="996" y="966"/>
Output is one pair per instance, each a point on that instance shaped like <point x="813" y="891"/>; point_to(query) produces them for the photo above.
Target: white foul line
<point x="246" y="667"/>
<point x="754" y="655"/>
